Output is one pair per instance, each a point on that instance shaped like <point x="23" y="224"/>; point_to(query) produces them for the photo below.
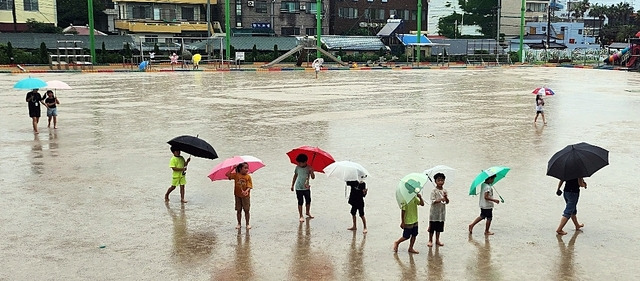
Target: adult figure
<point x="34" y="99"/>
<point x="571" y="195"/>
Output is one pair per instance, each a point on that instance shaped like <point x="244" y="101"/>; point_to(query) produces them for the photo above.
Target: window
<point x="151" y="39"/>
<point x="140" y="12"/>
<point x="289" y="7"/>
<point x="562" y="29"/>
<point x="261" y="7"/>
<point x="310" y="31"/>
<point x="544" y="28"/>
<point x="312" y="7"/>
<point x="30" y="5"/>
<point x="405" y="14"/>
<point x="348" y="13"/>
<point x="286" y="31"/>
<point x="187" y="13"/>
<point x="580" y="31"/>
<point x="238" y="13"/>
<point x="6" y="4"/>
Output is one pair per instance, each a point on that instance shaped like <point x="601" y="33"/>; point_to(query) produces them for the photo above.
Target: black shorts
<point x="486" y="213"/>
<point x="437" y="226"/>
<point x="303" y="195"/>
<point x="34" y="112"/>
<point x="359" y="208"/>
<point x="411" y="230"/>
<point x="539" y="112"/>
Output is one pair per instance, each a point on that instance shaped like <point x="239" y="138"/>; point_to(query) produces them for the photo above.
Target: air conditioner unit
<point x="363" y="24"/>
<point x="303" y="7"/>
<point x="251" y="3"/>
<point x="375" y="24"/>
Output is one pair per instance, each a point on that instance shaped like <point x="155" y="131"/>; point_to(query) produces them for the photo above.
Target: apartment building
<point x="39" y="10"/>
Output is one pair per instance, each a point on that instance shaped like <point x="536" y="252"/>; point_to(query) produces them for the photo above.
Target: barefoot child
<point x="486" y="206"/>
<point x="356" y="200"/>
<point x="179" y="167"/>
<point x="539" y="109"/>
<point x="438" y="210"/>
<point x="409" y="224"/>
<point x="242" y="188"/>
<point x="52" y="110"/>
<point x="301" y="176"/>
<point x="571" y="196"/>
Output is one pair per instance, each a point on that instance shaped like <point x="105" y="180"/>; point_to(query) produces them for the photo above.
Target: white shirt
<point x="484" y="203"/>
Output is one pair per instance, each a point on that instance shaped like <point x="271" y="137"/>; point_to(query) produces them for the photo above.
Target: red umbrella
<point x="318" y="158"/>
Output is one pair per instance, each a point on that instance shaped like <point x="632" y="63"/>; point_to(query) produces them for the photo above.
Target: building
<point x="43" y="11"/>
<point x="347" y="16"/>
<point x="570" y="34"/>
<point x="281" y="17"/>
<point x="510" y="18"/>
<point x="161" y="20"/>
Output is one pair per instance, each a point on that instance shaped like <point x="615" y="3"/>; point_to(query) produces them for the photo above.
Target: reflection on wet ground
<point x="85" y="201"/>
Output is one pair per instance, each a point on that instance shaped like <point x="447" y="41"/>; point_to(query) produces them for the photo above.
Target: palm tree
<point x="579" y="8"/>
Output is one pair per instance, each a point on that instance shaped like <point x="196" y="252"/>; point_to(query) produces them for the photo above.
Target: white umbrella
<point x="346" y="171"/>
<point x="448" y="172"/>
<point x="58" y="85"/>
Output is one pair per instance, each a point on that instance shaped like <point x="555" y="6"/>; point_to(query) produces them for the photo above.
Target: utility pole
<point x="15" y="20"/>
<point x="419" y="29"/>
<point x="521" y="50"/>
<point x="318" y="27"/>
<point x="498" y="21"/>
<point x="92" y="43"/>
<point x="548" y="26"/>
<point x="227" y="26"/>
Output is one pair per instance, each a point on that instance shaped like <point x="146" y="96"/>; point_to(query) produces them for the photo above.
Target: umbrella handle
<point x="501" y="199"/>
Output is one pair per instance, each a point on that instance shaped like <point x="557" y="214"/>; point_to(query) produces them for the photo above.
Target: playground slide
<point x="615" y="57"/>
<point x="633" y="60"/>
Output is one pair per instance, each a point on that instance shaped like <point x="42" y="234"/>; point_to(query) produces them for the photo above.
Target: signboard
<point x="239" y="55"/>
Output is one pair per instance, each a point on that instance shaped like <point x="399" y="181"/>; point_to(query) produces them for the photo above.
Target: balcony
<point x="150" y="26"/>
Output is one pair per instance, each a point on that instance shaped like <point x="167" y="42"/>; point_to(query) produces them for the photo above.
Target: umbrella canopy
<point x="499" y="171"/>
<point x="543" y="91"/>
<point x="219" y="171"/>
<point x="346" y="171"/>
<point x="409" y="187"/>
<point x="318" y="158"/>
<point x="448" y="172"/>
<point x="30" y="83"/>
<point x="194" y="146"/>
<point x="577" y="161"/>
<point x="143" y="65"/>
<point x="196" y="58"/>
<point x="57" y="85"/>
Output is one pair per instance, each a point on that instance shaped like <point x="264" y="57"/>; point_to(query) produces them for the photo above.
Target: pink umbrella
<point x="543" y="91"/>
<point x="219" y="171"/>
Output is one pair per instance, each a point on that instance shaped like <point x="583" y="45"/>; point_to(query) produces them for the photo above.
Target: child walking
<point x="486" y="206"/>
<point x="242" y="191"/>
<point x="539" y="109"/>
<point x="52" y="111"/>
<point x="439" y="199"/>
<point x="356" y="200"/>
<point x="179" y="167"/>
<point x="300" y="182"/>
<point x="409" y="224"/>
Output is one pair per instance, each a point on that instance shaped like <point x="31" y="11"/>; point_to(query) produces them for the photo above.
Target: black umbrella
<point x="194" y="146"/>
<point x="577" y="161"/>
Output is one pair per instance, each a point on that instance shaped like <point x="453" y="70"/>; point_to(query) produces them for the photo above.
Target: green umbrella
<point x="409" y="187"/>
<point x="499" y="171"/>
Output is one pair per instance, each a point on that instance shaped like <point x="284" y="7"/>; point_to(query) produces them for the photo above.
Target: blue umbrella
<point x="143" y="65"/>
<point x="30" y="83"/>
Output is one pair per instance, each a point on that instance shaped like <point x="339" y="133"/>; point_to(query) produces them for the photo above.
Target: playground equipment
<point x="303" y="47"/>
<point x="69" y="54"/>
<point x="630" y="56"/>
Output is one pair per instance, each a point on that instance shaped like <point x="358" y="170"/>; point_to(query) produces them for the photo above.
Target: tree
<point x="44" y="54"/>
<point x="76" y="12"/>
<point x="127" y="51"/>
<point x="103" y="53"/>
<point x="482" y="13"/>
<point x="275" y="51"/>
<point x="40" y="27"/>
<point x="578" y="9"/>
<point x="254" y="53"/>
<point x="447" y="25"/>
<point x="10" y="52"/>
